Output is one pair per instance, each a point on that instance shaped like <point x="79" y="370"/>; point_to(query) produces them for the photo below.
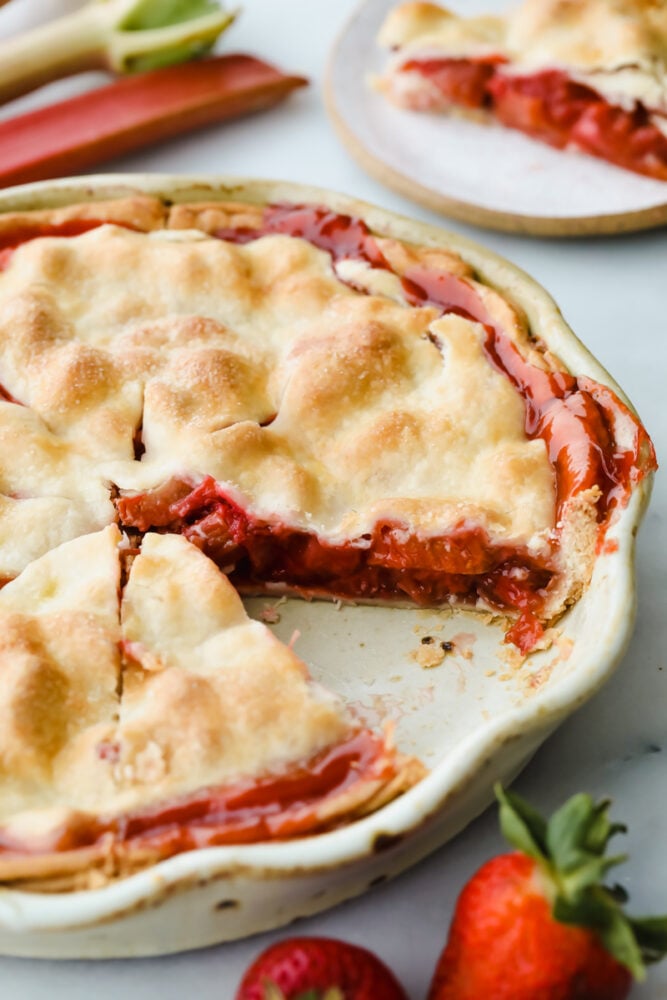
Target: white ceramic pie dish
<point x="473" y="719"/>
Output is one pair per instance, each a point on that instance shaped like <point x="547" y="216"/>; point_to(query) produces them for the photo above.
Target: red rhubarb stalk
<point x="135" y="111"/>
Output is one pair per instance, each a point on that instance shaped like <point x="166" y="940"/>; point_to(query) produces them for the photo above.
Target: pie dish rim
<point x="33" y="912"/>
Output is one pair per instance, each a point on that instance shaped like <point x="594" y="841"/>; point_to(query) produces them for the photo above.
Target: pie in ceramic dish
<point x="588" y="75"/>
<point x="255" y="396"/>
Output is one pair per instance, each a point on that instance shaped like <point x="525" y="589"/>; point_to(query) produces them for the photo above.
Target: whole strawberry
<point x="318" y="969"/>
<point x="538" y="924"/>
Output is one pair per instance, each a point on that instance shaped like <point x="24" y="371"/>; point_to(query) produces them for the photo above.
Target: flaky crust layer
<point x="338" y="408"/>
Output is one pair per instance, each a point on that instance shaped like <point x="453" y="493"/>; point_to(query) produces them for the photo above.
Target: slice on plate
<point x="139" y="725"/>
<point x="589" y="75"/>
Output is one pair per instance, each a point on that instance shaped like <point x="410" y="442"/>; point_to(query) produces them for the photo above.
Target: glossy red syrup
<point x="7" y="396"/>
<point x="276" y="806"/>
<point x="343" y="236"/>
<point x="576" y="418"/>
<point x="553" y="108"/>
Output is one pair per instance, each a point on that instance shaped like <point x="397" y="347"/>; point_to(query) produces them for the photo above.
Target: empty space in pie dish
<point x="460" y="698"/>
<point x="439" y="677"/>
<point x="478" y="172"/>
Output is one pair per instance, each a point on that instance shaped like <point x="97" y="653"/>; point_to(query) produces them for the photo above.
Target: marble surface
<point x="614" y="294"/>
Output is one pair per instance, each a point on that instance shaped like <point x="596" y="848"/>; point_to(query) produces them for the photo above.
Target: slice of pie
<point x="589" y="75"/>
<point x="142" y="723"/>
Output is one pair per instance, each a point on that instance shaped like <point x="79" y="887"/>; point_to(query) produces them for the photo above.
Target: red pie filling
<point x="458" y="81"/>
<point x="573" y="416"/>
<point x="276" y="806"/>
<point x="554" y="108"/>
<point x="383" y="565"/>
<point x="7" y="396"/>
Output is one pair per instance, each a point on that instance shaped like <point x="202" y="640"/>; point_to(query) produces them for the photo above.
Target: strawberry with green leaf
<point x="539" y="924"/>
<point x="318" y="969"/>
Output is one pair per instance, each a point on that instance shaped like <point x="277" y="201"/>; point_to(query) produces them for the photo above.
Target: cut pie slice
<point x="139" y="727"/>
<point x="589" y="75"/>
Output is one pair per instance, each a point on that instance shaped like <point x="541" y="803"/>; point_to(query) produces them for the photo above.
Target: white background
<point x="613" y="292"/>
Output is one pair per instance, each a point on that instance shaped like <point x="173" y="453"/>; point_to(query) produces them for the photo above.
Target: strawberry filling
<point x="277" y="806"/>
<point x="458" y="81"/>
<point x="7" y="396"/>
<point x="577" y="419"/>
<point x="388" y="564"/>
<point x="552" y="107"/>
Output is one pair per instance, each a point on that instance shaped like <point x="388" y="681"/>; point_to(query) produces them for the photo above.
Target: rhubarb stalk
<point x="136" y="111"/>
<point x="122" y="36"/>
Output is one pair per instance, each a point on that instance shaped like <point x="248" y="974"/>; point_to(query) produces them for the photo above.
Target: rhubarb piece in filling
<point x="195" y="726"/>
<point x="539" y="72"/>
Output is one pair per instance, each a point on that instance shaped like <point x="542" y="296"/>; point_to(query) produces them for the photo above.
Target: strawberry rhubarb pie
<point x="209" y="398"/>
<point x="587" y="75"/>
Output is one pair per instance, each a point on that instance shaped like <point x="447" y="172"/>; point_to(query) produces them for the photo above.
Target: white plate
<point x="473" y="719"/>
<point x="484" y="174"/>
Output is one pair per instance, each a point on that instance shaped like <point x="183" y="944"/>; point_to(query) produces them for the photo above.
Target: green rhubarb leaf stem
<point x="123" y="36"/>
<point x="136" y="51"/>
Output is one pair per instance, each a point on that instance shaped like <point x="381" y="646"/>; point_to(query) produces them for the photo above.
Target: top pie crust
<point x="321" y="400"/>
<point x="618" y="47"/>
